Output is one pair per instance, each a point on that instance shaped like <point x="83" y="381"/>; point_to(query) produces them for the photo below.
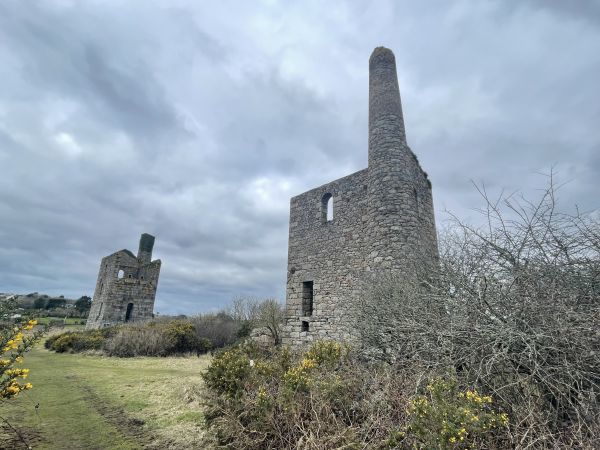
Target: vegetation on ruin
<point x="497" y="350"/>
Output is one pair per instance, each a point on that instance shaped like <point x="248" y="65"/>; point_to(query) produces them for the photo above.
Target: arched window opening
<point x="327" y="208"/>
<point x="129" y="276"/>
<point x="121" y="274"/>
<point x="129" y="312"/>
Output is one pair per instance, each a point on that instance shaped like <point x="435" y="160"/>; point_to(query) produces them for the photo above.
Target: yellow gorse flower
<point x="308" y="363"/>
<point x="452" y="417"/>
<point x="15" y="343"/>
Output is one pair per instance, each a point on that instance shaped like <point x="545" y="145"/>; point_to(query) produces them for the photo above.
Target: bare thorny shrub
<point x="266" y="314"/>
<point x="514" y="311"/>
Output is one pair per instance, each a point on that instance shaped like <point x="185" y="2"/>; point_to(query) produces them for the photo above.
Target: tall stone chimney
<point x="145" y="249"/>
<point x="386" y="123"/>
<point x="399" y="198"/>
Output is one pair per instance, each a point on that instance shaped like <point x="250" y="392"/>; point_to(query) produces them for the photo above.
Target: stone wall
<point x="382" y="222"/>
<point x="328" y="253"/>
<point x="126" y="287"/>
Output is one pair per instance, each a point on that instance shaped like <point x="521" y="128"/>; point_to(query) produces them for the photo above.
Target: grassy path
<point x="94" y="402"/>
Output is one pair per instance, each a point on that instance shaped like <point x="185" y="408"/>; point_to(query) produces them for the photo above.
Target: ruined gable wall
<point x="331" y="254"/>
<point x="113" y="294"/>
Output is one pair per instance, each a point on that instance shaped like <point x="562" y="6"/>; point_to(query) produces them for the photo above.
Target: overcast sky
<point x="197" y="121"/>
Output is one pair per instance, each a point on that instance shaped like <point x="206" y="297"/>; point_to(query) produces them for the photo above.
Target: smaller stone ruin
<point x="126" y="287"/>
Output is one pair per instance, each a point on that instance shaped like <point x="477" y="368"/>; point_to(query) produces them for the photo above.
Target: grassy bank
<point x="95" y="402"/>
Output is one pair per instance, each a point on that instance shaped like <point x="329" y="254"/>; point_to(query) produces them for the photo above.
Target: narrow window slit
<point x="307" y="298"/>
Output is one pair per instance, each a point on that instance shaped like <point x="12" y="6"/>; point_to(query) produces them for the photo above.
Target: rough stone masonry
<point x="352" y="231"/>
<point x="126" y="287"/>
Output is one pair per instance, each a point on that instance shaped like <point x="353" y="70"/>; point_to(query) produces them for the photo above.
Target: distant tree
<point x="56" y="303"/>
<point x="40" y="303"/>
<point x="83" y="304"/>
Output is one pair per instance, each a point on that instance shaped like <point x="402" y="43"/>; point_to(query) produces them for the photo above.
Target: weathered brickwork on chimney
<point x="382" y="222"/>
<point x="126" y="287"/>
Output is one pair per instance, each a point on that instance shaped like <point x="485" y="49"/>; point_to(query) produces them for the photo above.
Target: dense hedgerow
<point x="220" y="329"/>
<point x="156" y="339"/>
<point x="151" y="339"/>
<point x="75" y="342"/>
<point x="325" y="399"/>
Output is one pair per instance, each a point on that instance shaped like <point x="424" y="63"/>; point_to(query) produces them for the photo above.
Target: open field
<point x="68" y="321"/>
<point x="95" y="402"/>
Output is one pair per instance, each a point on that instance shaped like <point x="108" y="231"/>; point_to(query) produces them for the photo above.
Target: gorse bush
<point x="229" y="372"/>
<point x="448" y="418"/>
<point x="76" y="341"/>
<point x="17" y="336"/>
<point x="327" y="354"/>
<point x="15" y="340"/>
<point x="324" y="398"/>
<point x="182" y="338"/>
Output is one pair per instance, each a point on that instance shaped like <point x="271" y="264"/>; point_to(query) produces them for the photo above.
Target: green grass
<point x="69" y="320"/>
<point x="95" y="402"/>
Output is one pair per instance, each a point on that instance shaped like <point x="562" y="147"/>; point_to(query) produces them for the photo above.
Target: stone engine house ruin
<point x="346" y="233"/>
<point x="126" y="287"/>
